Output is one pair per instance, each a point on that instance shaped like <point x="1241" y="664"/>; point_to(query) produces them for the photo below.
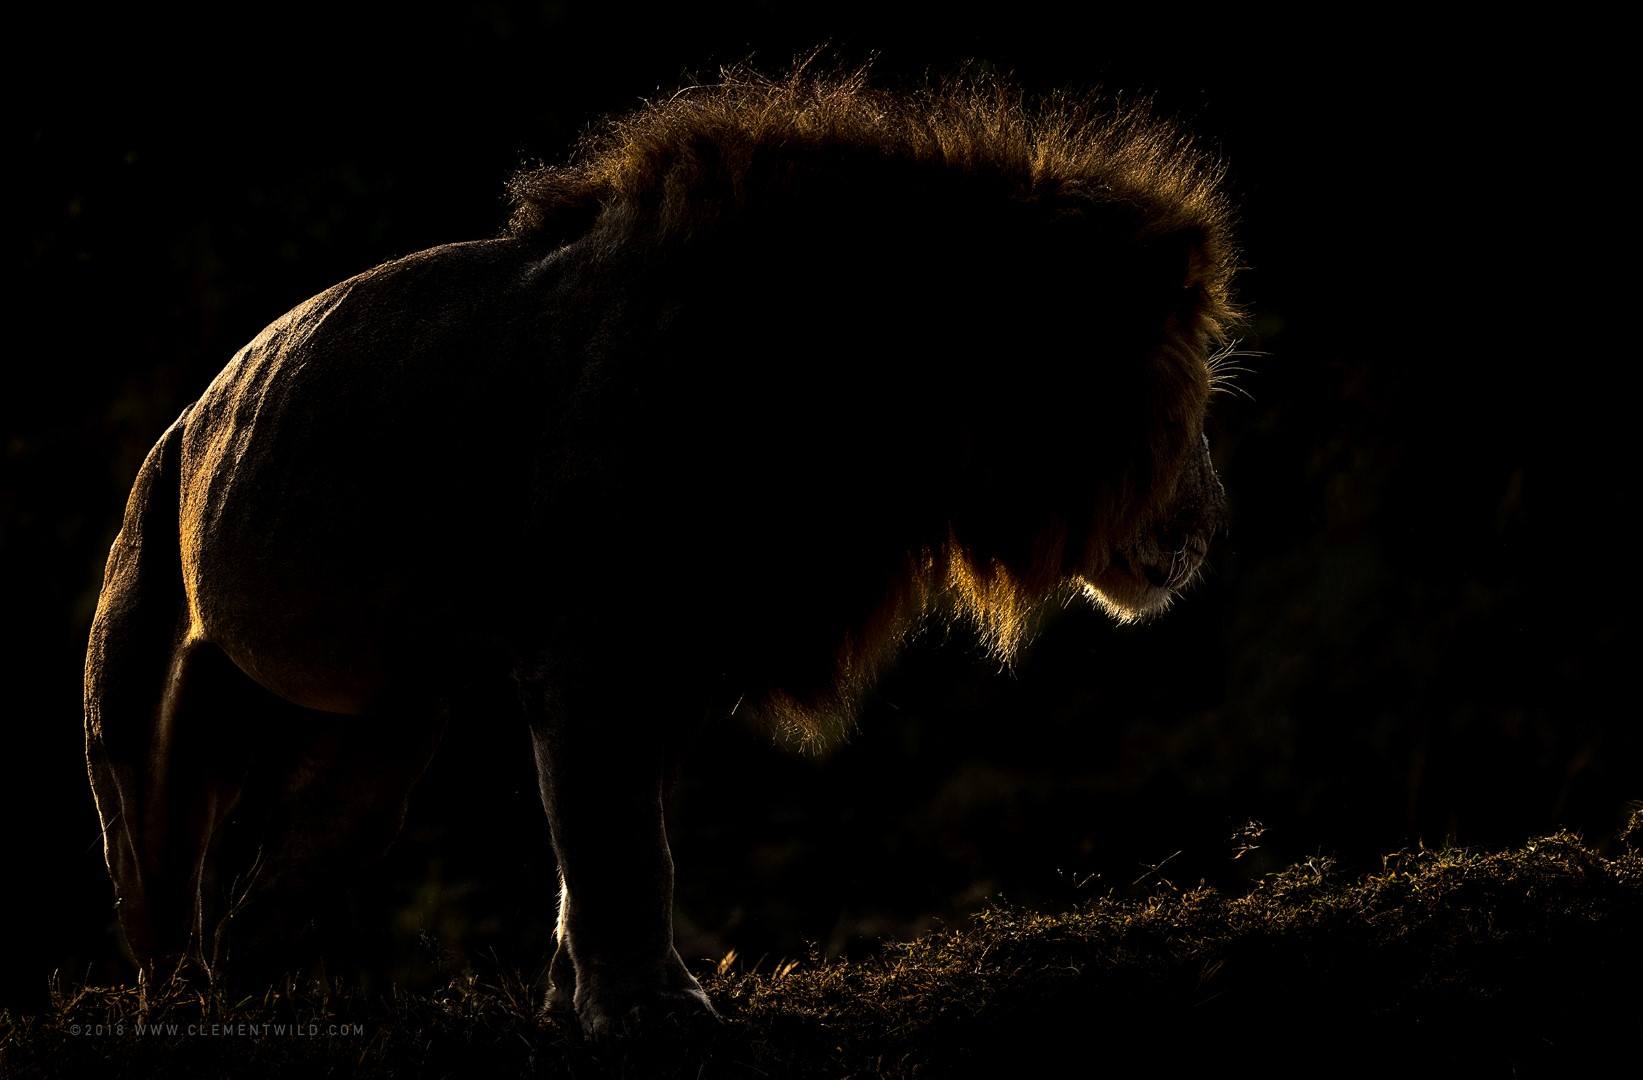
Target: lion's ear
<point x="1159" y="264"/>
<point x="1175" y="259"/>
<point x="1177" y="265"/>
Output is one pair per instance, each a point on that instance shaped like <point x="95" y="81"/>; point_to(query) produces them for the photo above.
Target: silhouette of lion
<point x="770" y="374"/>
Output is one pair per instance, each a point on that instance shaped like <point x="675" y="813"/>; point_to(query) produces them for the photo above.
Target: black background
<point x="1414" y="633"/>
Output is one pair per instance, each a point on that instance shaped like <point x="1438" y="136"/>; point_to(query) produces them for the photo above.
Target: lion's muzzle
<point x="1166" y="555"/>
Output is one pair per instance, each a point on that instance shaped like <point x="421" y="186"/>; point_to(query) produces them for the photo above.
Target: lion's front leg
<point x="561" y="972"/>
<point x="602" y="786"/>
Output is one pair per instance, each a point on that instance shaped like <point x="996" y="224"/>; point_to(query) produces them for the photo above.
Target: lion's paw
<point x="676" y="1009"/>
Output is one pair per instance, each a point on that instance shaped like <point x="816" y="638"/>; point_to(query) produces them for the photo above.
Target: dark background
<point x="1415" y="633"/>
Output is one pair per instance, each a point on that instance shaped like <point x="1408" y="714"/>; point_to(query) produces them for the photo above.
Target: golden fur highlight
<point x="678" y="164"/>
<point x="1000" y="608"/>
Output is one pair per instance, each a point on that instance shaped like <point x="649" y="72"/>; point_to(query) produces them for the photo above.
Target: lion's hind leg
<point x="156" y="781"/>
<point x="241" y="813"/>
<point x="211" y="791"/>
<point x="165" y="773"/>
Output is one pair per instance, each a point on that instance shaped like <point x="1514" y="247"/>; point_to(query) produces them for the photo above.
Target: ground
<point x="1515" y="963"/>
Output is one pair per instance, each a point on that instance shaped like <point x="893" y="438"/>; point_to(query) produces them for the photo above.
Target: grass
<point x="1456" y="963"/>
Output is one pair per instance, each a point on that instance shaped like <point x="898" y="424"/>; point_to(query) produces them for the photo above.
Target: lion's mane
<point x="797" y="199"/>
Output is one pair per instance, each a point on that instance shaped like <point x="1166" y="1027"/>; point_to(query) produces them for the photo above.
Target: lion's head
<point x="912" y="352"/>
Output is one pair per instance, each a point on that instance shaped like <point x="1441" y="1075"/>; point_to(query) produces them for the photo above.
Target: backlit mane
<point x="678" y="164"/>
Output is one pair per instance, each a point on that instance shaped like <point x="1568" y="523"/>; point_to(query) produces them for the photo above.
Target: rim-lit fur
<point x="713" y="151"/>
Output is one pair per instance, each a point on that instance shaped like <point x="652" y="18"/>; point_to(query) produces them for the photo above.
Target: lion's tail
<point x="135" y="636"/>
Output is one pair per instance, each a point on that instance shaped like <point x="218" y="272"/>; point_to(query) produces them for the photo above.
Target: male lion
<point x="769" y="374"/>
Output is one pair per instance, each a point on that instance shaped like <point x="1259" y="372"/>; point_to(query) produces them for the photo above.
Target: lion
<point x="771" y="374"/>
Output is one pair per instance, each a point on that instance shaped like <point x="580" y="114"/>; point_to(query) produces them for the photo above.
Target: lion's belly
<point x="309" y="674"/>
